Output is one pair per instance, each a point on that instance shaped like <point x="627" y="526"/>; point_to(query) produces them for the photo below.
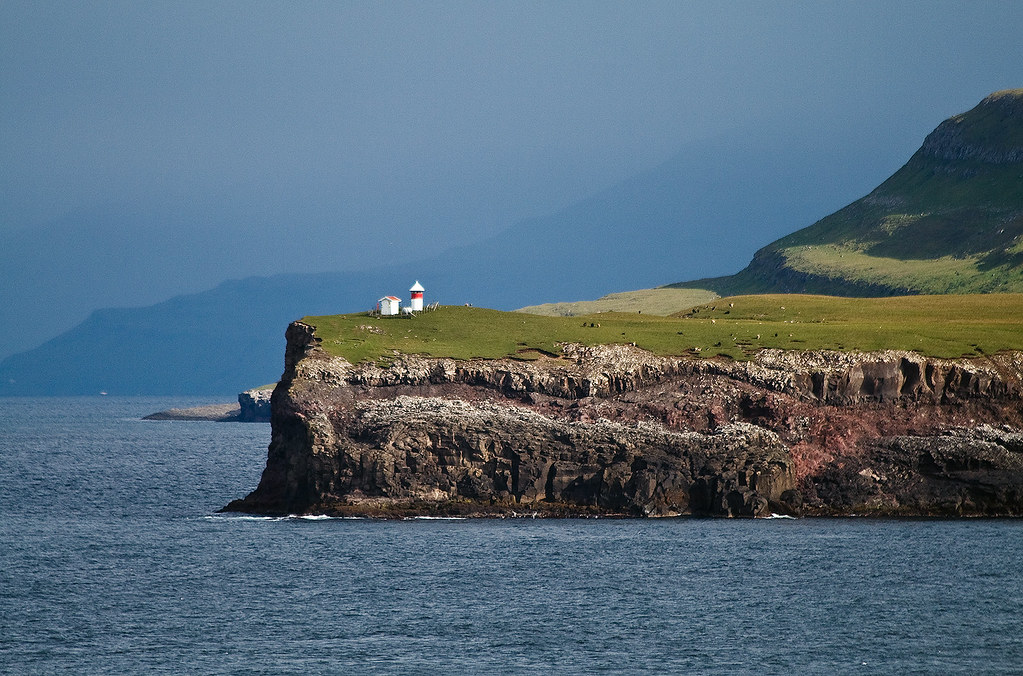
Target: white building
<point x="389" y="305"/>
<point x="417" y="297"/>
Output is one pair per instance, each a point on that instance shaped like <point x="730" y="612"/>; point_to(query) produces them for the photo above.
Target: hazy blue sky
<point x="531" y="104"/>
<point x="223" y="138"/>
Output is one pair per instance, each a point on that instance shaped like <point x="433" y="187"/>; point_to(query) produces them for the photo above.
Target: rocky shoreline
<point x="253" y="406"/>
<point x="613" y="430"/>
<point x="209" y="413"/>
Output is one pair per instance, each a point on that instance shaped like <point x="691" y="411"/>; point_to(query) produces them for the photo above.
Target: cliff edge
<point x="616" y="430"/>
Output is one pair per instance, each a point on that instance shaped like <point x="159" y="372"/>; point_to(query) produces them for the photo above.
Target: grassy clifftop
<point x="947" y="326"/>
<point x="949" y="221"/>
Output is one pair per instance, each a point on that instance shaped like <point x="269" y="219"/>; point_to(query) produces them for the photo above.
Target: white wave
<point x="436" y="518"/>
<point x="290" y="517"/>
<point x="779" y="516"/>
<point x="325" y="517"/>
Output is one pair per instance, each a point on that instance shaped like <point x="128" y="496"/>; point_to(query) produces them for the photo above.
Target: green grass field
<point x="649" y="301"/>
<point x="939" y="326"/>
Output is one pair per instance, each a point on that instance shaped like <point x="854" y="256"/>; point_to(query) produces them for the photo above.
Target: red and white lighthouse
<point x="417" y="296"/>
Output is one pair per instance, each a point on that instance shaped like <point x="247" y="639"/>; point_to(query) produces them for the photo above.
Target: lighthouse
<point x="417" y="296"/>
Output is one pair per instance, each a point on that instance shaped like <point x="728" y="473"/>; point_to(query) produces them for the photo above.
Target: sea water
<point x="114" y="560"/>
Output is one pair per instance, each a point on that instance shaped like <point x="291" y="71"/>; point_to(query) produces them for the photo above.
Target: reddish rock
<point x="616" y="430"/>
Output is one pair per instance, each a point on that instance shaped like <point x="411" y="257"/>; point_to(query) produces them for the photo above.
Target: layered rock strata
<point x="616" y="430"/>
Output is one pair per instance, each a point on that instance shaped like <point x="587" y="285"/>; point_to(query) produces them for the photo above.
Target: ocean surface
<point x="114" y="560"/>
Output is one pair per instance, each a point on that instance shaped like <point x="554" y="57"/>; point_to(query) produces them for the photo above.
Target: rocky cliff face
<point x="254" y="405"/>
<point x="615" y="430"/>
<point x="988" y="133"/>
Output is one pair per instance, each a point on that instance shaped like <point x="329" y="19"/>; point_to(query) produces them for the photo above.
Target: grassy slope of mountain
<point x="950" y="221"/>
<point x="651" y="301"/>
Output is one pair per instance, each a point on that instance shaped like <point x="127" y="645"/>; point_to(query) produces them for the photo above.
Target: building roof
<point x="393" y="299"/>
<point x="417" y="287"/>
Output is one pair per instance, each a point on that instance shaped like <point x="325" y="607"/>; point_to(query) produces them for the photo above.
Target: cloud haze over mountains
<point x="152" y="150"/>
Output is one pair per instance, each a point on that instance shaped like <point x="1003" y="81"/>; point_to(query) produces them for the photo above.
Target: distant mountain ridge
<point x="637" y="233"/>
<point x="949" y="221"/>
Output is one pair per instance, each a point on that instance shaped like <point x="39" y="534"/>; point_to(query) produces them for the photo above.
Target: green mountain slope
<point x="661" y="301"/>
<point x="949" y="221"/>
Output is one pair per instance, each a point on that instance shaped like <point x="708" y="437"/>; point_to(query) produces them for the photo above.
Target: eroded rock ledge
<point x="616" y="430"/>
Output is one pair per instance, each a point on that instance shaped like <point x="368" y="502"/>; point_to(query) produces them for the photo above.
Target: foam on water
<point x="290" y="517"/>
<point x="325" y="517"/>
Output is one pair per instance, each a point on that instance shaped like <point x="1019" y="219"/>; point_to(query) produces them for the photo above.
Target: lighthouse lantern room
<point x="417" y="296"/>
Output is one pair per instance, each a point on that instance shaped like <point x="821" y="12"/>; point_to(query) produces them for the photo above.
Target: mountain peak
<point x="990" y="133"/>
<point x="1004" y="97"/>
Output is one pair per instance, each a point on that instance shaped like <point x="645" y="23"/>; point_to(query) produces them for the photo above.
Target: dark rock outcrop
<point x="254" y="405"/>
<point x="616" y="430"/>
<point x="975" y="471"/>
